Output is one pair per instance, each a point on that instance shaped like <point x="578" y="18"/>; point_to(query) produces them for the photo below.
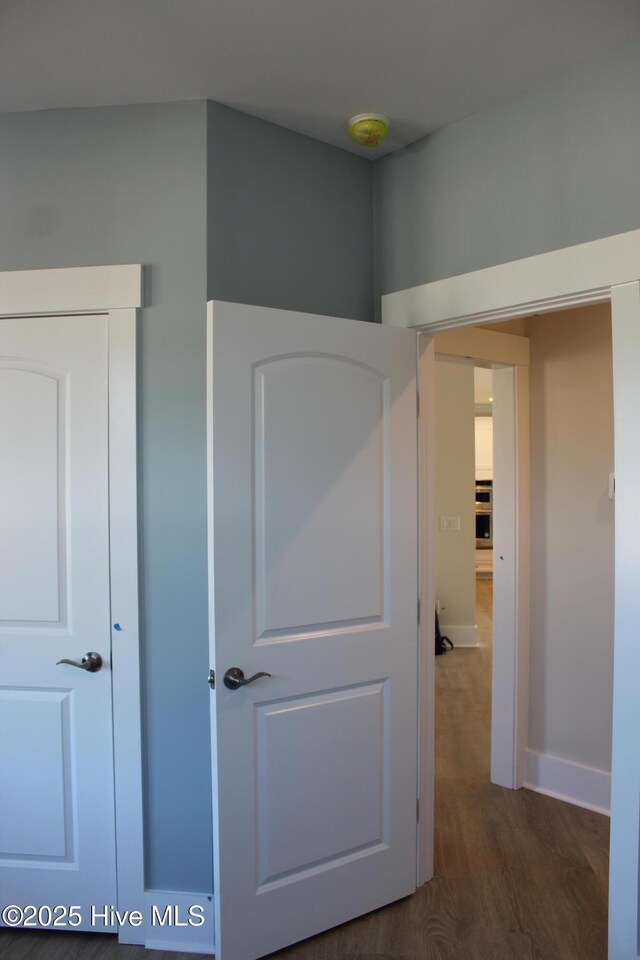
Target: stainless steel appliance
<point x="484" y="514"/>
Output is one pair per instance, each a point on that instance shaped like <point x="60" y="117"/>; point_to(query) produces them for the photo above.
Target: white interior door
<point x="313" y="580"/>
<point x="56" y="755"/>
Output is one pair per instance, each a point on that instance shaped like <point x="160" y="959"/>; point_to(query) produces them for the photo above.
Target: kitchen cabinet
<point x="484" y="448"/>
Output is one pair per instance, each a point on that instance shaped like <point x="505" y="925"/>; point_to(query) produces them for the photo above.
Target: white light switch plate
<point x="450" y="523"/>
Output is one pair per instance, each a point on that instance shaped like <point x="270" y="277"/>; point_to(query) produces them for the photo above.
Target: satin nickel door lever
<point x="234" y="678"/>
<point x="91" y="662"/>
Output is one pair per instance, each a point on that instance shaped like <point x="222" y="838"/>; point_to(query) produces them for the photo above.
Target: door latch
<point x="212" y="679"/>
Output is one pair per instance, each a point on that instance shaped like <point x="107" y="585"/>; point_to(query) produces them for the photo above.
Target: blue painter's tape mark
<point x="117" y="626"/>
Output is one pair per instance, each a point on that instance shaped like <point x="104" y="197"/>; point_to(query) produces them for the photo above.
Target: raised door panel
<point x="320" y="498"/>
<point x="336" y="805"/>
<point x="32" y="494"/>
<point x="36" y="756"/>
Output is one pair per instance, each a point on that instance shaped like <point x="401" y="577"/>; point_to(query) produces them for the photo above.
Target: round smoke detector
<point x="368" y="129"/>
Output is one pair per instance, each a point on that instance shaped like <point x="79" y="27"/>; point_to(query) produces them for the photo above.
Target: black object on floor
<point x="442" y="643"/>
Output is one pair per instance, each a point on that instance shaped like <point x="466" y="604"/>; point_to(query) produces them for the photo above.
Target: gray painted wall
<point x="127" y="185"/>
<point x="288" y="223"/>
<point x="556" y="167"/>
<point x="290" y="219"/>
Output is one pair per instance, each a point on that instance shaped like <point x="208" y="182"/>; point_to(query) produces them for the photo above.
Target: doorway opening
<point x="600" y="271"/>
<point x="484" y="502"/>
<point x="570" y="546"/>
<point x="571" y="566"/>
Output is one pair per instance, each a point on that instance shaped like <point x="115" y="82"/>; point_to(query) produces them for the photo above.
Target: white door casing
<point x="604" y="270"/>
<point x="313" y="579"/>
<point x="511" y="576"/>
<point x="73" y="383"/>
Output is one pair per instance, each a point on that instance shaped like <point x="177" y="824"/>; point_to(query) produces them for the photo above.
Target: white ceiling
<point x="305" y="65"/>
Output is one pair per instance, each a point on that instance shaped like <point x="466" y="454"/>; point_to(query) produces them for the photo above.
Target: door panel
<point x="57" y="835"/>
<point x="39" y="723"/>
<point x="301" y="827"/>
<point x="32" y="494"/>
<point x="312" y="467"/>
<point x="310" y="533"/>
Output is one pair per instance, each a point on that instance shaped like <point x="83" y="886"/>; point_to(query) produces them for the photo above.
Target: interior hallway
<point x="518" y="875"/>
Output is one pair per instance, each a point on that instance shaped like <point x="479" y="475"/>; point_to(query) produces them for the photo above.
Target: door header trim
<point x="569" y="277"/>
<point x="71" y="290"/>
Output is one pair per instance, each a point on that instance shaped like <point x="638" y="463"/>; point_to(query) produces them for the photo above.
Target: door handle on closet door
<point x="234" y="678"/>
<point x="91" y="662"/>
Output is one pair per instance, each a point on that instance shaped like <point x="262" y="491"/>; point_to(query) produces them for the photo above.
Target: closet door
<point x="57" y="824"/>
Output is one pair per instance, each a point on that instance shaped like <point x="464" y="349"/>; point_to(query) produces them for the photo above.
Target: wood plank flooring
<point x="519" y="876"/>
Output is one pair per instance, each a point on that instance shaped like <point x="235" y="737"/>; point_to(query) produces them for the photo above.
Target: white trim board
<point x="427" y="599"/>
<point x="101" y="290"/>
<point x="572" y="782"/>
<point x="596" y="272"/>
<point x="461" y="635"/>
<point x="71" y="290"/>
<point x="125" y="639"/>
<point x="511" y="614"/>
<point x="547" y="282"/>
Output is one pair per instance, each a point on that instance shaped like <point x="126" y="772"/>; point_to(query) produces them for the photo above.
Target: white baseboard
<point x="572" y="782"/>
<point x="460" y="636"/>
<point x="179" y="922"/>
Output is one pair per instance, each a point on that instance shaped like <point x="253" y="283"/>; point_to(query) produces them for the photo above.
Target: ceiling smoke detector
<point x="368" y="129"/>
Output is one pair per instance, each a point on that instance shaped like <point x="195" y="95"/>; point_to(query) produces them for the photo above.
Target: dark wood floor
<point x="518" y="876"/>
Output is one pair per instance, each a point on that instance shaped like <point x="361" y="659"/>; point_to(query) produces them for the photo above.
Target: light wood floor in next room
<point x="518" y="876"/>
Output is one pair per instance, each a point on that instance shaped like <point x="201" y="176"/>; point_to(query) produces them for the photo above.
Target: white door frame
<point x="114" y="291"/>
<point x="596" y="272"/>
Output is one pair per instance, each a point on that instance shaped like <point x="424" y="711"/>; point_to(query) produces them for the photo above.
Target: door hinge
<point x="418" y="404"/>
<point x="418" y="609"/>
<point x="212" y="679"/>
<point x="417" y="811"/>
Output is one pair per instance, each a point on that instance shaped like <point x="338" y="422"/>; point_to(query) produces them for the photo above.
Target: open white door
<point x="313" y="580"/>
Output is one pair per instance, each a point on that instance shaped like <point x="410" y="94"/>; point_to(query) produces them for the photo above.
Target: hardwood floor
<point x="36" y="945"/>
<point x="519" y="876"/>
